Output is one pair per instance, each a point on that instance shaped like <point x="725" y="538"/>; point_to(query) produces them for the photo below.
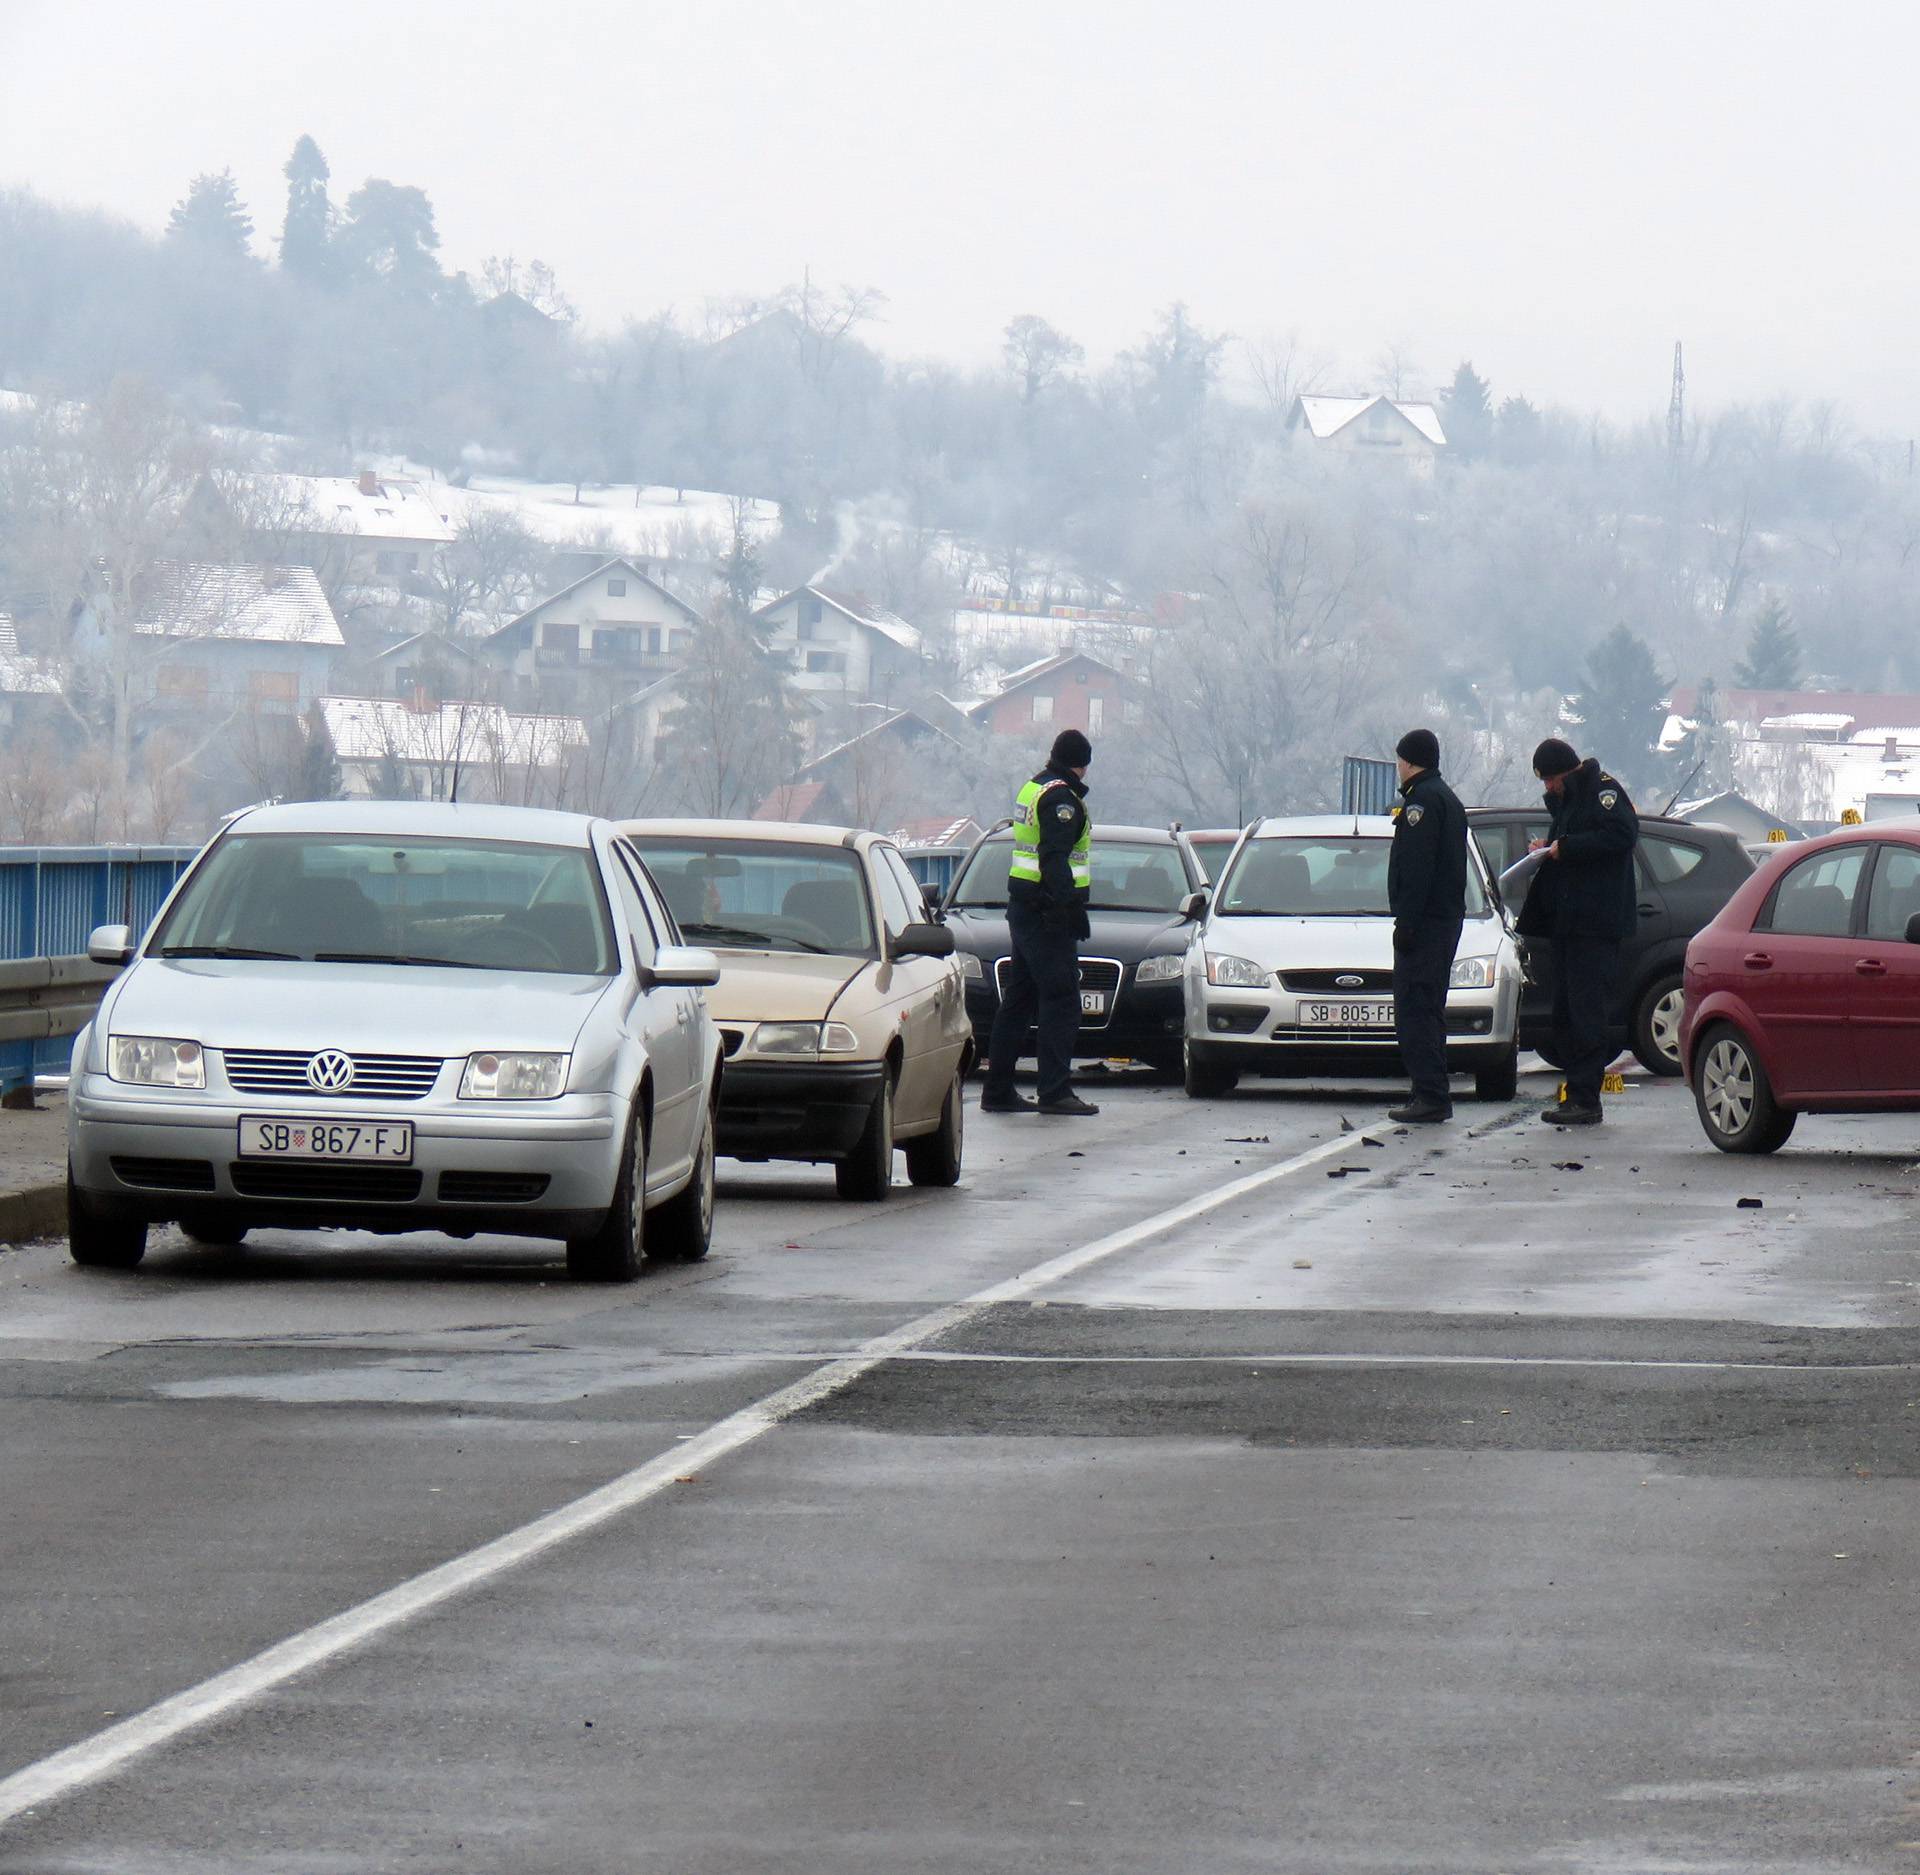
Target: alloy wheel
<point x="1728" y="1086"/>
<point x="1664" y="1023"/>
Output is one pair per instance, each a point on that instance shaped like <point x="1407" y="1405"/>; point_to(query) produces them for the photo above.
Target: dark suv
<point x="1684" y="875"/>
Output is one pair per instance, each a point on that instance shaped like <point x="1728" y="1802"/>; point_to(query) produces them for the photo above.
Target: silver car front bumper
<point x="545" y="1169"/>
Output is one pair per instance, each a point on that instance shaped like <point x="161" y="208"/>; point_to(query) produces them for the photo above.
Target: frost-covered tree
<point x="1038" y="356"/>
<point x="307" y="233"/>
<point x="212" y="218"/>
<point x="316" y="774"/>
<point x="1466" y="409"/>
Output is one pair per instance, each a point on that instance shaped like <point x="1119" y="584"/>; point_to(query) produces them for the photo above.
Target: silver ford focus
<point x="400" y="1016"/>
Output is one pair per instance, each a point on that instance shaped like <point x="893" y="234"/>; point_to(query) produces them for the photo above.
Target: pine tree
<point x="1773" y="652"/>
<point x="1623" y="706"/>
<point x="1466" y="410"/>
<point x="389" y="235"/>
<point x="308" y="229"/>
<point x="316" y="774"/>
<point x="212" y="218"/>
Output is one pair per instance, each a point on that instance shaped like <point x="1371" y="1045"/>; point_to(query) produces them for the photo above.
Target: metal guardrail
<point x="51" y="898"/>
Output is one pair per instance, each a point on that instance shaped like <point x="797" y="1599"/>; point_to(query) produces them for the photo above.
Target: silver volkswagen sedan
<point x="400" y="1016"/>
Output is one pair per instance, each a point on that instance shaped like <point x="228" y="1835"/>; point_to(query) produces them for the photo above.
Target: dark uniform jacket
<point x="1427" y="869"/>
<point x="1064" y="903"/>
<point x="1588" y="892"/>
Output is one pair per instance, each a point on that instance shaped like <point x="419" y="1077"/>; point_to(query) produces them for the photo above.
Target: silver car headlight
<point x="1472" y="973"/>
<point x="156" y="1061"/>
<point x="1239" y="973"/>
<point x="513" y="1077"/>
<point x="1160" y="969"/>
<point x="970" y="966"/>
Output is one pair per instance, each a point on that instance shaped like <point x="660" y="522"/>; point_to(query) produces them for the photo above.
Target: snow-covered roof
<point x="369" y="507"/>
<point x="888" y="625"/>
<point x="264" y="604"/>
<point x="1808" y="719"/>
<point x="1327" y="416"/>
<point x="917" y="835"/>
<point x="606" y="566"/>
<point x="366" y="729"/>
<point x="1878" y="737"/>
<point x="439" y="639"/>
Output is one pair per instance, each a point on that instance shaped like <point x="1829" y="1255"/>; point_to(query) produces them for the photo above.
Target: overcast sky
<point x="1555" y="191"/>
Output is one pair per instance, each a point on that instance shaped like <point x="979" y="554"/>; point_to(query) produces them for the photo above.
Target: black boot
<point x="1070" y="1104"/>
<point x="1568" y="1114"/>
<point x="991" y="1102"/>
<point x="1421" y="1111"/>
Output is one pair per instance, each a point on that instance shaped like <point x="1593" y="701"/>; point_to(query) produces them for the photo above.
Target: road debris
<point x="1749" y="1204"/>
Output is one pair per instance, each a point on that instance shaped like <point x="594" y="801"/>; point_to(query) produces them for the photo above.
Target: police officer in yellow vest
<point x="1047" y="889"/>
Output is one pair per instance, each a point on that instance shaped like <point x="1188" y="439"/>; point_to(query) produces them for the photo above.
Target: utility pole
<point x="1677" y="409"/>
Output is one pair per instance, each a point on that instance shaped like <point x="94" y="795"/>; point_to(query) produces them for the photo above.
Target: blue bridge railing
<point x="52" y="897"/>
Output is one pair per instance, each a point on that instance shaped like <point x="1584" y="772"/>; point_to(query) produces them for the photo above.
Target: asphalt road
<point x="1475" y="1499"/>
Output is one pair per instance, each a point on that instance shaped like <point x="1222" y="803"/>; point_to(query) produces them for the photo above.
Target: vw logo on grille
<point x="330" y="1071"/>
<point x="1349" y="983"/>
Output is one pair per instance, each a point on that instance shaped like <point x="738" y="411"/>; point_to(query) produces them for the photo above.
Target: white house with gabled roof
<point x="1377" y="428"/>
<point x="839" y="643"/>
<point x="612" y="623"/>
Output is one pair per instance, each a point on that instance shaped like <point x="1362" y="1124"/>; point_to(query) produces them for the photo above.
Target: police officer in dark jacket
<point x="1049" y="881"/>
<point x="1427" y="894"/>
<point x="1582" y="901"/>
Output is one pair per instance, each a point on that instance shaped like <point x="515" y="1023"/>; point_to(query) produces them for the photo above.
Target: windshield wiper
<point x="388" y="957"/>
<point x="726" y="931"/>
<point x="226" y="950"/>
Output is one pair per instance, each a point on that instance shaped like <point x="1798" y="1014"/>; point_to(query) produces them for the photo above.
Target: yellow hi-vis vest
<point x="1026" y="837"/>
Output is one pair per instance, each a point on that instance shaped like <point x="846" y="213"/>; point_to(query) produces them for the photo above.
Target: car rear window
<point x="354" y="898"/>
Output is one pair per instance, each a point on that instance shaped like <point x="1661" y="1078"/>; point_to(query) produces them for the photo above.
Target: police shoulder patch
<point x="1413" y="816"/>
<point x="1065" y="811"/>
<point x="1609" y="799"/>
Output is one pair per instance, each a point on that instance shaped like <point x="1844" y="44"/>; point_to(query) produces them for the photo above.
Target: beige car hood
<point x="779" y="986"/>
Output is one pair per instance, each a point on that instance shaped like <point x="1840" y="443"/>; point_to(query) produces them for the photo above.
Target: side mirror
<point x="930" y="898"/>
<point x="111" y="944"/>
<point x="1913" y="929"/>
<point x="680" y="966"/>
<point x="1194" y="907"/>
<point x="924" y="940"/>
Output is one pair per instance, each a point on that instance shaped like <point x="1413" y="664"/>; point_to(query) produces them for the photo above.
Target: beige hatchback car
<point x="840" y="1006"/>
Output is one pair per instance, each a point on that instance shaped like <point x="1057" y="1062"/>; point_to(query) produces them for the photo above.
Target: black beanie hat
<point x="1554" y="757"/>
<point x="1071" y="750"/>
<point x="1421" y="747"/>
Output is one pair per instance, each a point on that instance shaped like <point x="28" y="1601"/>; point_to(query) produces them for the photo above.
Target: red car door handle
<point x="1870" y="967"/>
<point x="1757" y="960"/>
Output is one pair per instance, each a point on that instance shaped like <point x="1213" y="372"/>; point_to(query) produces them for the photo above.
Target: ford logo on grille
<point x="1349" y="983"/>
<point x="330" y="1071"/>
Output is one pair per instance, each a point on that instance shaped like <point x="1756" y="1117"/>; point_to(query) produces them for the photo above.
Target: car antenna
<point x="1683" y="787"/>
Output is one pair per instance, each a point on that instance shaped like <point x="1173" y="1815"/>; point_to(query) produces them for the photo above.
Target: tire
<point x="101" y="1243"/>
<point x="1501" y="1081"/>
<point x="1204" y="1079"/>
<point x="681" y="1231"/>
<point x="935" y="1159"/>
<point x="1169" y="1068"/>
<point x="215" y="1233"/>
<point x="1656" y="1025"/>
<point x="615" y="1250"/>
<point x="1737" y="1109"/>
<point x="866" y="1173"/>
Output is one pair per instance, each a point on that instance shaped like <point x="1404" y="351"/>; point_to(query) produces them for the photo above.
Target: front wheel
<point x="1206" y="1079"/>
<point x="935" y="1159"/>
<point x="615" y="1250"/>
<point x="1500" y="1081"/>
<point x="866" y="1173"/>
<point x="101" y="1243"/>
<point x="1656" y="1025"/>
<point x="1737" y="1109"/>
<point x="682" y="1229"/>
<point x="213" y="1233"/>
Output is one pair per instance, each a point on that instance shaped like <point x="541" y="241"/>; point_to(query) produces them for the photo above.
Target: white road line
<point x="108" y="1751"/>
<point x="937" y="1355"/>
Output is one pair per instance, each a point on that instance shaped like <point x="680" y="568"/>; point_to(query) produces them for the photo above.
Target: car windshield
<point x="1211" y="850"/>
<point x="354" y="898"/>
<point x="1128" y="875"/>
<point x="763" y="895"/>
<point x="1320" y="876"/>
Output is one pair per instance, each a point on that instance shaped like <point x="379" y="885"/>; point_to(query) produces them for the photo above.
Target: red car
<point x="1803" y="995"/>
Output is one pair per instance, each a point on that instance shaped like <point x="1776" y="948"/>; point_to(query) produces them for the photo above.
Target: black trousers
<point x="1422" y="961"/>
<point x="1042" y="992"/>
<point x="1586" y="1037"/>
